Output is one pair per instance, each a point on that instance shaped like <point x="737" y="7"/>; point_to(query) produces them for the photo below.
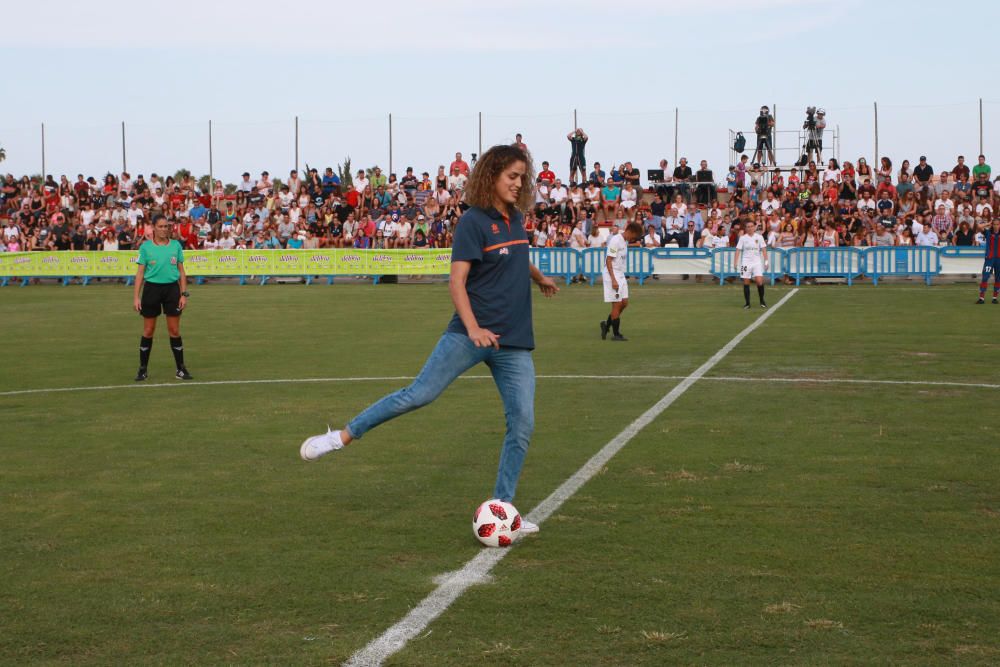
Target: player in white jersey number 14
<point x="751" y="259"/>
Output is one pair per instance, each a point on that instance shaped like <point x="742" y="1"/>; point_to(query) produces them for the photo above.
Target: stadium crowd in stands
<point x="849" y="204"/>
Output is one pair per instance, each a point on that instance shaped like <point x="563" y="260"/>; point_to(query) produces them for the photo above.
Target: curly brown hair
<point x="480" y="189"/>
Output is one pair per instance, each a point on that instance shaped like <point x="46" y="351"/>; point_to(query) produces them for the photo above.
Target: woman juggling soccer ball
<point x="160" y="287"/>
<point x="490" y="286"/>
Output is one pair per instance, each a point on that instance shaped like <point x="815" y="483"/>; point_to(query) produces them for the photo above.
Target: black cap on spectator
<point x="923" y="157"/>
<point x="246" y="173"/>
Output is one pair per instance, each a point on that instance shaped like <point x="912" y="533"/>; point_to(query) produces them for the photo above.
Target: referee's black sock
<point x="609" y="321"/>
<point x="616" y="326"/>
<point x="760" y="293"/>
<point x="177" y="345"/>
<point x="746" y="294"/>
<point x="145" y="345"/>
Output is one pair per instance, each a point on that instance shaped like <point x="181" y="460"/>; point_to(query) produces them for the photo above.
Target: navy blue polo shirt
<point x="499" y="282"/>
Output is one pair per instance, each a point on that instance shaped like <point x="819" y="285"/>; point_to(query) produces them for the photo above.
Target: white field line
<point x="477" y="569"/>
<point x="386" y="378"/>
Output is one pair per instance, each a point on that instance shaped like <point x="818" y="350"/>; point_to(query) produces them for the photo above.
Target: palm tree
<point x="3" y="154"/>
<point x="344" y="170"/>
<point x="205" y="184"/>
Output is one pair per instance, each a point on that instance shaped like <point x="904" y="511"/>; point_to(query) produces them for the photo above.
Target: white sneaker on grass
<point x="527" y="527"/>
<point x="320" y="445"/>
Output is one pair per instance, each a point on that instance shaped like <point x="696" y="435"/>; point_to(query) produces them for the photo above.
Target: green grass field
<point x="753" y="522"/>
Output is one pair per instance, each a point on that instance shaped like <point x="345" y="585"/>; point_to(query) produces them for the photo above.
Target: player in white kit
<point x="613" y="277"/>
<point x="751" y="258"/>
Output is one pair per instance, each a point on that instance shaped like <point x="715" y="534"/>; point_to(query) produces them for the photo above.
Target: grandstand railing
<point x="263" y="265"/>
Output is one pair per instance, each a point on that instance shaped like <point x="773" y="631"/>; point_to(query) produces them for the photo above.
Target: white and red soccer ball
<point x="496" y="523"/>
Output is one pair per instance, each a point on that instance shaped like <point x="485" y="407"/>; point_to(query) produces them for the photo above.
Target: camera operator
<point x="764" y="128"/>
<point x="814" y="125"/>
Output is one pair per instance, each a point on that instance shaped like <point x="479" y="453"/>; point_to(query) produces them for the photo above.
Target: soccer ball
<point x="496" y="523"/>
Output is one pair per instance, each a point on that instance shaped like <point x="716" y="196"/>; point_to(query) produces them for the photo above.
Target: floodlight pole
<point x="876" y="134"/>
<point x="676" y="123"/>
<point x="390" y="143"/>
<point x="980" y="126"/>
<point x="43" y="152"/>
<point x="211" y="170"/>
<point x="124" y="163"/>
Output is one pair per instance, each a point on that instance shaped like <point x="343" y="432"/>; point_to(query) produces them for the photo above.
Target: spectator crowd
<point x="849" y="204"/>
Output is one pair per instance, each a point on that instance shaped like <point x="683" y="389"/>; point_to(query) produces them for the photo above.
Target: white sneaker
<point x="527" y="527"/>
<point x="320" y="445"/>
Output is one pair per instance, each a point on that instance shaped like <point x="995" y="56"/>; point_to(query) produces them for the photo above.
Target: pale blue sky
<point x="252" y="66"/>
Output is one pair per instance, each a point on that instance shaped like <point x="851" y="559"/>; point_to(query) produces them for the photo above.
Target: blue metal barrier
<point x="639" y="263"/>
<point x="681" y="253"/>
<point x="562" y="262"/>
<point x="973" y="251"/>
<point x="922" y="261"/>
<point x="845" y="263"/>
<point x="723" y="266"/>
<point x="592" y="263"/>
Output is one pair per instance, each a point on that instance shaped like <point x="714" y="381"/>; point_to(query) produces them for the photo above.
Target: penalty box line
<point x="454" y="584"/>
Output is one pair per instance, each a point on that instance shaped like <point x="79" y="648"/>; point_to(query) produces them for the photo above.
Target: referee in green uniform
<point x="161" y="286"/>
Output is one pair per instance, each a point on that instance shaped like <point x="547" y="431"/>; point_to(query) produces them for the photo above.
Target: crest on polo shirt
<point x="495" y="228"/>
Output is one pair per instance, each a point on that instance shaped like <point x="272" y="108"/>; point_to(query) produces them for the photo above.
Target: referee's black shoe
<point x="142" y="374"/>
<point x="182" y="374"/>
<point x="604" y="330"/>
<point x="619" y="338"/>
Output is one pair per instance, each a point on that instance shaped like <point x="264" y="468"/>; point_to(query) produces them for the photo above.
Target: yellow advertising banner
<point x="320" y="262"/>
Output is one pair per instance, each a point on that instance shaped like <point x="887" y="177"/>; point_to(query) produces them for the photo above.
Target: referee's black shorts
<point x="160" y="297"/>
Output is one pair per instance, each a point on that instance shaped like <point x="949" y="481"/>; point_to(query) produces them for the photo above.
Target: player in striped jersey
<point x="992" y="263"/>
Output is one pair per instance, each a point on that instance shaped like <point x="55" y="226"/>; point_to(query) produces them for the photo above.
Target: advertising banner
<point x="320" y="262"/>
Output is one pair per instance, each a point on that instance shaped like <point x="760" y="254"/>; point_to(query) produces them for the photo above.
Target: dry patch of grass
<point x="977" y="650"/>
<point x="824" y="624"/>
<point x="782" y="608"/>
<point x="736" y="466"/>
<point x="499" y="648"/>
<point x="658" y="637"/>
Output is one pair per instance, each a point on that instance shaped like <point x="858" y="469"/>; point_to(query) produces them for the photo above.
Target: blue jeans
<point x="514" y="374"/>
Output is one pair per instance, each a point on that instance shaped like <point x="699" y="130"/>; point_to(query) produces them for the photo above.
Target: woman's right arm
<point x="136" y="300"/>
<point x="460" y="297"/>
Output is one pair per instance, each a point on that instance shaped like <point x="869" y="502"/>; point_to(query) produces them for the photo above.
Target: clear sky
<point x="165" y="69"/>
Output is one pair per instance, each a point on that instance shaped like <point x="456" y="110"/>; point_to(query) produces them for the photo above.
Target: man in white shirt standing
<point x="751" y="258"/>
<point x="613" y="277"/>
